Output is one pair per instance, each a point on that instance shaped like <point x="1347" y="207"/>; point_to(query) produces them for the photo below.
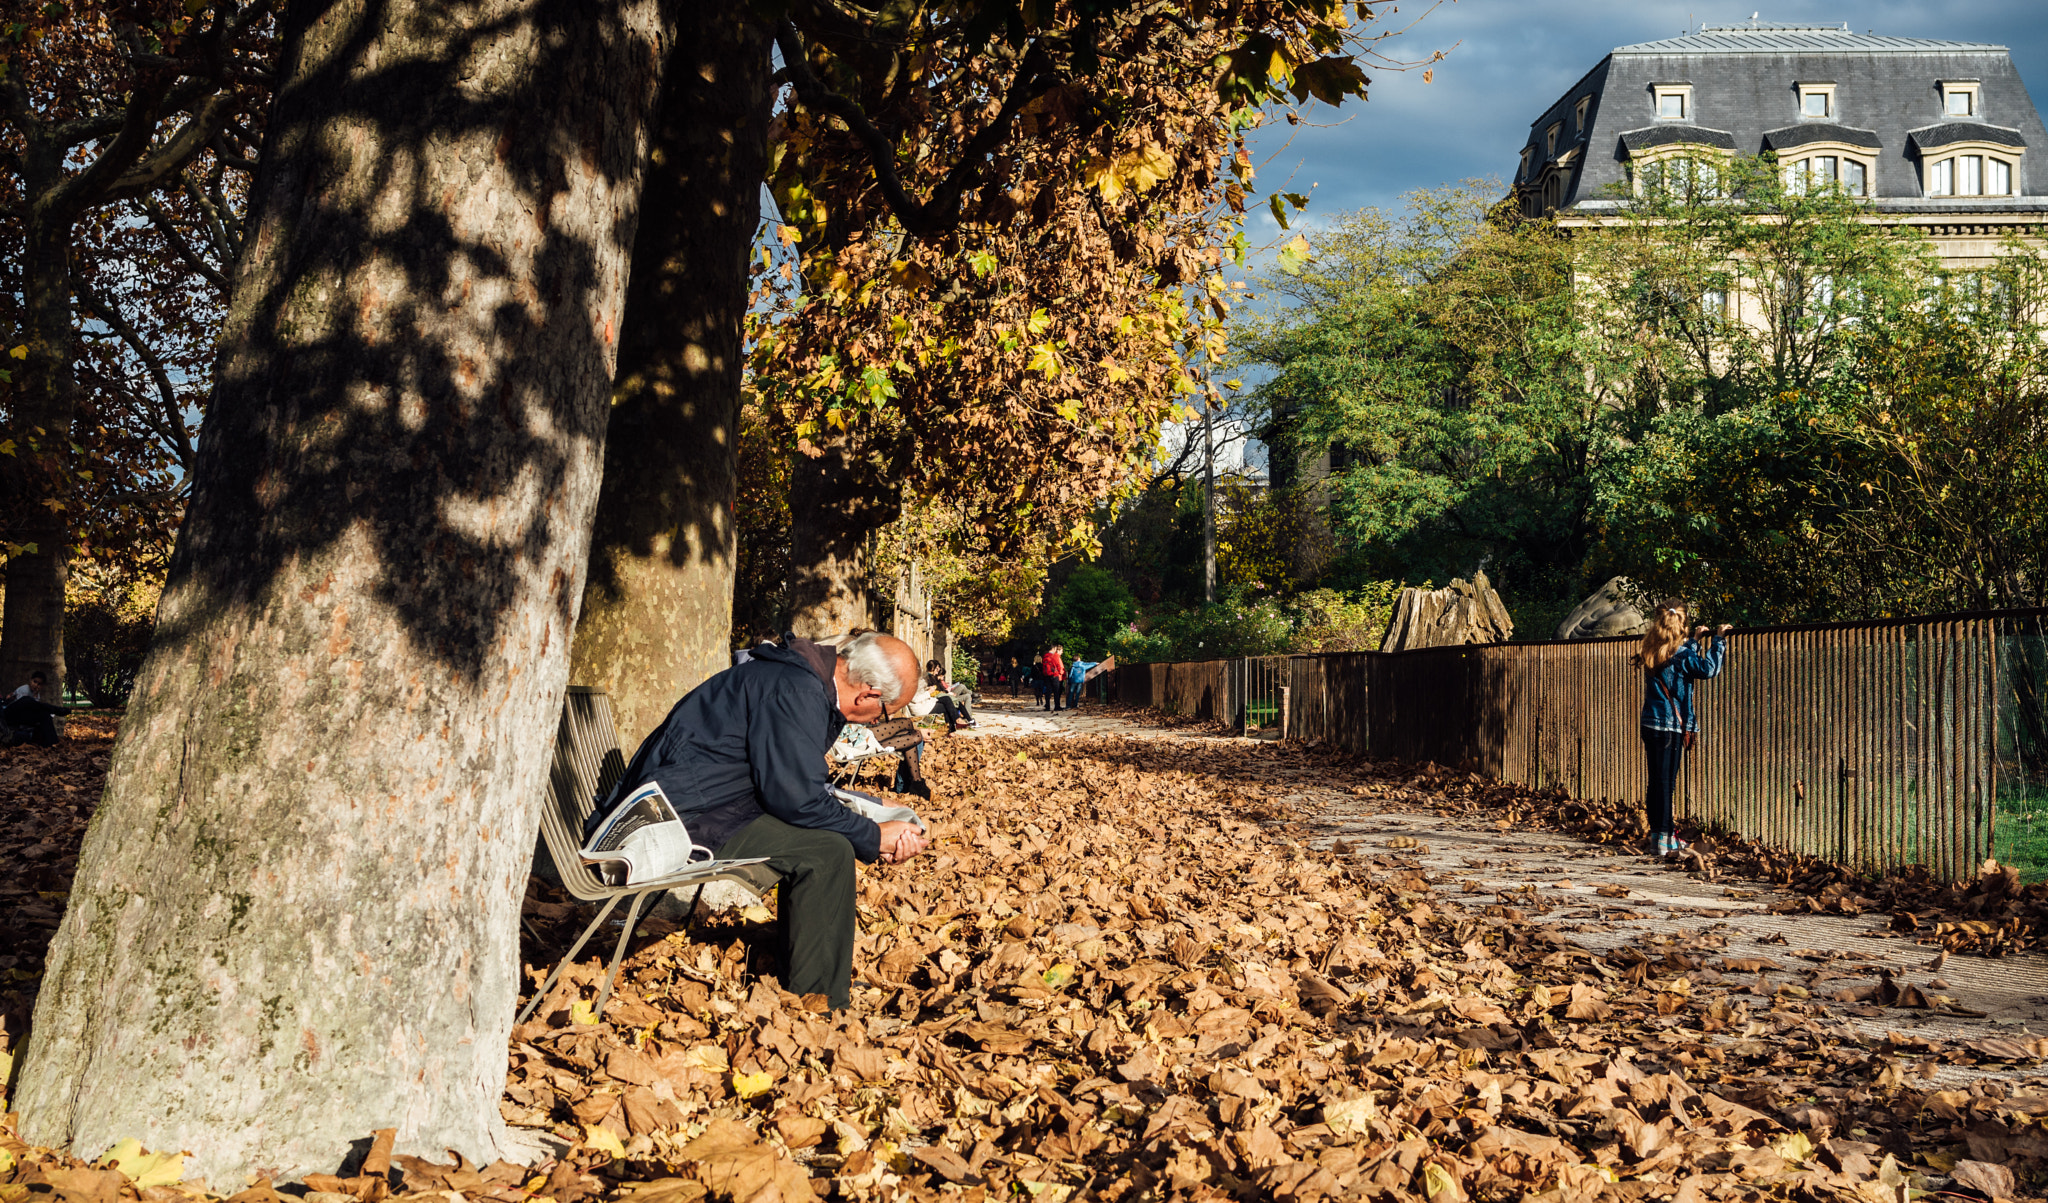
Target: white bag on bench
<point x="643" y="839"/>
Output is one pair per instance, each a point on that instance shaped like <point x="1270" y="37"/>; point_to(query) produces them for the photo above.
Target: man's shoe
<point x="1667" y="844"/>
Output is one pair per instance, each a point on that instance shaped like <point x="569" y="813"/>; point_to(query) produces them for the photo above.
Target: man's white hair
<point x="868" y="662"/>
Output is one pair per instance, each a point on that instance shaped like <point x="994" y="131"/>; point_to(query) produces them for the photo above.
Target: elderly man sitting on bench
<point x="742" y="760"/>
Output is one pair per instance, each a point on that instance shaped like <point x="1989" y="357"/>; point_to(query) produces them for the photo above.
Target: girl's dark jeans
<point x="1666" y="752"/>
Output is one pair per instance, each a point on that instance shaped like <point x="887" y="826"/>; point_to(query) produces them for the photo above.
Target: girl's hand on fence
<point x="1698" y="631"/>
<point x="1723" y="629"/>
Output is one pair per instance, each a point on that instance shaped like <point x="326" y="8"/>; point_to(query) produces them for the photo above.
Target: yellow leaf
<point x="6" y="1158"/>
<point x="146" y="1168"/>
<point x="748" y="1085"/>
<point x="1793" y="1146"/>
<point x="708" y="1057"/>
<point x="582" y="1012"/>
<point x="1436" y="1179"/>
<point x="604" y="1140"/>
<point x="1046" y="1192"/>
<point x="1350" y="1116"/>
<point x="757" y="914"/>
<point x="1101" y="173"/>
<point x="1058" y="976"/>
<point x="20" y="352"/>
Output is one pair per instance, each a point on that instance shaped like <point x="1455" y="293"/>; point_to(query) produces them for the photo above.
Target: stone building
<point x="1934" y="133"/>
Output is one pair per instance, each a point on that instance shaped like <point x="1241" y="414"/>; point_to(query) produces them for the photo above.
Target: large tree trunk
<point x="32" y="615"/>
<point x="657" y="610"/>
<point x="295" y="917"/>
<point x="836" y="501"/>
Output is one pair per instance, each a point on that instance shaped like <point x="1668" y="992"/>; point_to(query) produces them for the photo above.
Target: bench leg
<point x="604" y="994"/>
<point x="569" y="959"/>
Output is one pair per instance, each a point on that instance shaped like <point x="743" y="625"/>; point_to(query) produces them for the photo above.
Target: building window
<point x="1678" y="177"/>
<point x="1673" y="102"/>
<point x="1959" y="97"/>
<point x="1550" y="139"/>
<point x="1715" y="302"/>
<point x="1579" y="114"/>
<point x="1814" y="174"/>
<point x="1968" y="175"/>
<point x="1816" y="100"/>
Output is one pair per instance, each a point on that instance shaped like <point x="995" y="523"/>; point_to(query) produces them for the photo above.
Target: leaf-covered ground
<point x="1123" y="973"/>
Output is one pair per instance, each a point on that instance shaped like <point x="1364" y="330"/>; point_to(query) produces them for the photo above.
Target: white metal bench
<point x="587" y="764"/>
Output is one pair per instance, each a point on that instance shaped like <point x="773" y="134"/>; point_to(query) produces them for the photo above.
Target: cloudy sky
<point x="1508" y="59"/>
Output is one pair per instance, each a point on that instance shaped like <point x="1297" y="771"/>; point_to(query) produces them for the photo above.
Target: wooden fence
<point x="1880" y="744"/>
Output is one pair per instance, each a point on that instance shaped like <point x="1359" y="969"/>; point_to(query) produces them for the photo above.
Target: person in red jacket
<point x="1055" y="670"/>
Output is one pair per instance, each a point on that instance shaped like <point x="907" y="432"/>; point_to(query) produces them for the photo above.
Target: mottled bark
<point x="836" y="501"/>
<point x="295" y="913"/>
<point x="657" y="611"/>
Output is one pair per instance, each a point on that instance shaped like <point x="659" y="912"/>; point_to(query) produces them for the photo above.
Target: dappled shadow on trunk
<point x="414" y="363"/>
<point x="328" y="770"/>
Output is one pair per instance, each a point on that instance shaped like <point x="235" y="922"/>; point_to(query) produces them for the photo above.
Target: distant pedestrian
<point x="1054" y="669"/>
<point x="1671" y="662"/>
<point x="1077" y="676"/>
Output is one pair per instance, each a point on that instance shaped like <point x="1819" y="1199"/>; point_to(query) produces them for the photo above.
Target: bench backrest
<point x="587" y="764"/>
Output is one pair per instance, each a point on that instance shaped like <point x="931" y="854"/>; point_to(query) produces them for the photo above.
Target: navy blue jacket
<point x="1670" y="707"/>
<point x="751" y="741"/>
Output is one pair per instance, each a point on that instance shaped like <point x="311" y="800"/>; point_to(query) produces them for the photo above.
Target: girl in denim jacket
<point x="1671" y="663"/>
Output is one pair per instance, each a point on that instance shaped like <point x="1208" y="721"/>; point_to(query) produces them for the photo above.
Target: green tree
<point x="1088" y="611"/>
<point x="1428" y="352"/>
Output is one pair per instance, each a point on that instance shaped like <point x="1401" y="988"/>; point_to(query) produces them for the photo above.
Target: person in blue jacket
<point x="1671" y="662"/>
<point x="1077" y="675"/>
<point x="742" y="760"/>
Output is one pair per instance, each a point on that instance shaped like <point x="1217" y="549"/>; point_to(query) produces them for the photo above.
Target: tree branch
<point x="162" y="220"/>
<point x="167" y="161"/>
<point x="942" y="211"/>
<point x="168" y="423"/>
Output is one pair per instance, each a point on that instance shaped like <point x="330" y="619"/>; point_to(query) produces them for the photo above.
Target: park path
<point x="1604" y="898"/>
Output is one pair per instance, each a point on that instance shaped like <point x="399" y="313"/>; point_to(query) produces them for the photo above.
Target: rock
<point x="1610" y="611"/>
<point x="1460" y="612"/>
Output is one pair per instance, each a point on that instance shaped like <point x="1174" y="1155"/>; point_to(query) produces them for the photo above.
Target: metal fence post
<point x="1845" y="844"/>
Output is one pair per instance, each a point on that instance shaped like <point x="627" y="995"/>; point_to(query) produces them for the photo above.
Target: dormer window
<point x="1816" y="100"/>
<point x="1674" y="102"/>
<point x="1579" y="114"/>
<point x="1959" y="97"/>
<point x="1550" y="139"/>
<point x="1527" y="151"/>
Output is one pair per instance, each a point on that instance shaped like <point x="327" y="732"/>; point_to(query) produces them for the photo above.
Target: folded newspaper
<point x="642" y="840"/>
<point x="878" y="810"/>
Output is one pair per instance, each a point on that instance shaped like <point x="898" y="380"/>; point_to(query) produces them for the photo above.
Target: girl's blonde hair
<point x="1663" y="639"/>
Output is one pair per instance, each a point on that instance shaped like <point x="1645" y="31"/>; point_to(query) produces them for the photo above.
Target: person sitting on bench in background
<point x="742" y="760"/>
<point x="29" y="718"/>
<point x="952" y="700"/>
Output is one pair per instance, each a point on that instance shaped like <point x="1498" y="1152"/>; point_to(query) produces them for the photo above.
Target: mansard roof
<point x="1820" y="131"/>
<point x="1948" y="133"/>
<point x="1676" y="133"/>
<point x="1768" y="38"/>
<point x="1743" y="86"/>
